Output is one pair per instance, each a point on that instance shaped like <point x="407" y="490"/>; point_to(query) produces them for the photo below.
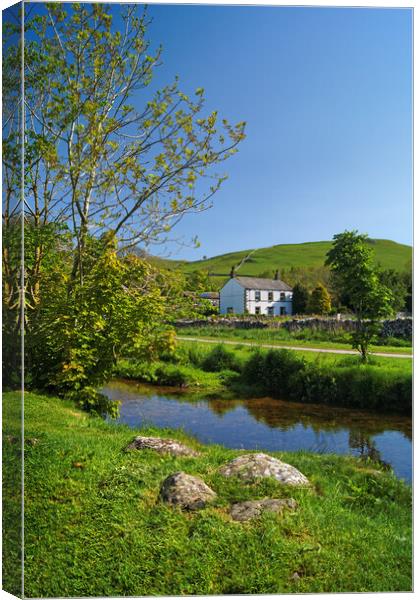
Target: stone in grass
<point x="255" y="466"/>
<point x="250" y="509"/>
<point x="186" y="491"/>
<point x="164" y="446"/>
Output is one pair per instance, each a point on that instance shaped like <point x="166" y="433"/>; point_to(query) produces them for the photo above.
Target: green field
<point x="389" y="254"/>
<point x="402" y="365"/>
<point x="94" y="525"/>
<point x="281" y="337"/>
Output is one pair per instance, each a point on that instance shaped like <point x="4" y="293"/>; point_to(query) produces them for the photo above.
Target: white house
<point x="255" y="296"/>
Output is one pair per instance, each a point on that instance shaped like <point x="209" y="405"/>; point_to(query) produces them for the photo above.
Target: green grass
<point x="94" y="525"/>
<point x="164" y="374"/>
<point x="282" y="337"/>
<point x="222" y="370"/>
<point x="389" y="254"/>
<point x="323" y="359"/>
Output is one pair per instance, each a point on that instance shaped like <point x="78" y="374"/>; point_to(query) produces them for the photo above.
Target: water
<point x="270" y="424"/>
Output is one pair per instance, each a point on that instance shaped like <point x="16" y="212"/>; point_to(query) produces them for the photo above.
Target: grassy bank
<point x="385" y="384"/>
<point x="282" y="337"/>
<point x="94" y="525"/>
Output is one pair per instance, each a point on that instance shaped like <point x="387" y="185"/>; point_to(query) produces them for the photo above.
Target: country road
<point x="301" y="348"/>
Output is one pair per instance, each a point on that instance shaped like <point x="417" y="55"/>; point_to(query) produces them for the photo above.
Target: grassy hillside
<point x="389" y="255"/>
<point x="310" y="255"/>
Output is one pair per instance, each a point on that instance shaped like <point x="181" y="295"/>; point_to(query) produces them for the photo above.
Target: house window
<point x="257" y="296"/>
<point x="257" y="310"/>
<point x="270" y="296"/>
<point x="283" y="311"/>
<point x="230" y="310"/>
<point x="270" y="310"/>
<point x="282" y="296"/>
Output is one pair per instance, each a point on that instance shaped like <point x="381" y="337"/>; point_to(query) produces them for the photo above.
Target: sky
<point x="327" y="97"/>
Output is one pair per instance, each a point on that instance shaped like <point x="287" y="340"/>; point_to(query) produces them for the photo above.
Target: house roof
<point x="257" y="283"/>
<point x="210" y="295"/>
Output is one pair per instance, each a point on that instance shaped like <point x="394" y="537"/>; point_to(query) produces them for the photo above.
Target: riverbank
<point x="94" y="525"/>
<point x="384" y="384"/>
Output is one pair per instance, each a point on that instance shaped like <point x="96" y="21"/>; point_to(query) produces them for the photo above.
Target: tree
<point x="198" y="281"/>
<point x="399" y="284"/>
<point x="112" y="165"/>
<point x="354" y="274"/>
<point x="320" y="302"/>
<point x="95" y="159"/>
<point x="75" y="340"/>
<point x="300" y="298"/>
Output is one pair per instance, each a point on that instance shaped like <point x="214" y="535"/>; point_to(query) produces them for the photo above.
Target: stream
<point x="269" y="424"/>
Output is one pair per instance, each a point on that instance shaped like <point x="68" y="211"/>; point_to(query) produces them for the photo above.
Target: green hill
<point x="308" y="256"/>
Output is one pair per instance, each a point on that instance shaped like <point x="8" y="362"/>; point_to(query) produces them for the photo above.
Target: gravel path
<point x="301" y="348"/>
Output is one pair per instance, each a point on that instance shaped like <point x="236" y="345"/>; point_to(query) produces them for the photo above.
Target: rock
<point x="161" y="445"/>
<point x="31" y="441"/>
<point x="244" y="511"/>
<point x="186" y="491"/>
<point x="254" y="466"/>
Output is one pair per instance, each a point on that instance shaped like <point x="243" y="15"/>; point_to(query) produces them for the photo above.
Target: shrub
<point x="275" y="371"/>
<point x="177" y="376"/>
<point x="316" y="385"/>
<point x="219" y="358"/>
<point x="283" y="375"/>
<point x="196" y="355"/>
<point x="143" y="371"/>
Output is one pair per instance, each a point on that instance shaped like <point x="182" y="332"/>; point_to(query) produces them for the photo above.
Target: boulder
<point x="253" y="466"/>
<point x="186" y="491"/>
<point x="161" y="445"/>
<point x="244" y="511"/>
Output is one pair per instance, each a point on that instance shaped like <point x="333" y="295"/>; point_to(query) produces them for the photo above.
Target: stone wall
<point x="399" y="328"/>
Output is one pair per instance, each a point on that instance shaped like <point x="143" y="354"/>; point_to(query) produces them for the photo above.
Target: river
<point x="269" y="424"/>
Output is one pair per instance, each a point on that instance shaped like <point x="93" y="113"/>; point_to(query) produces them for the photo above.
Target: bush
<point x="219" y="359"/>
<point x="177" y="376"/>
<point x="155" y="373"/>
<point x="142" y="371"/>
<point x="281" y="374"/>
<point x="275" y="371"/>
<point x="196" y="355"/>
<point x="316" y="385"/>
<point x="372" y="387"/>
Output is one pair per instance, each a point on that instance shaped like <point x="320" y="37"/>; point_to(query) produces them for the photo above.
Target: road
<point x="300" y="348"/>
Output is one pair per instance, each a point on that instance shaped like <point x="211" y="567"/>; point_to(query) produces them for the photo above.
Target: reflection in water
<point x="365" y="446"/>
<point x="270" y="424"/>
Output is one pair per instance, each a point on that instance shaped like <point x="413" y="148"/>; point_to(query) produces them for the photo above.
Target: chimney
<point x="232" y="272"/>
<point x="276" y="277"/>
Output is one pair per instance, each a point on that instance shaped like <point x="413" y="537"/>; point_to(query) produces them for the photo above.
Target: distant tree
<point x="320" y="302"/>
<point x="408" y="297"/>
<point x="354" y="274"/>
<point x="197" y="281"/>
<point x="200" y="281"/>
<point x="300" y="298"/>
<point x="399" y="284"/>
<point x="307" y="276"/>
<point x="267" y="274"/>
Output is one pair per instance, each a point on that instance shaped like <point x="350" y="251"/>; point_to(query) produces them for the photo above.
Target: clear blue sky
<point x="326" y="94"/>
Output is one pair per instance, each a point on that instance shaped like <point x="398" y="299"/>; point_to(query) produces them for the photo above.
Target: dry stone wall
<point x="399" y="328"/>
